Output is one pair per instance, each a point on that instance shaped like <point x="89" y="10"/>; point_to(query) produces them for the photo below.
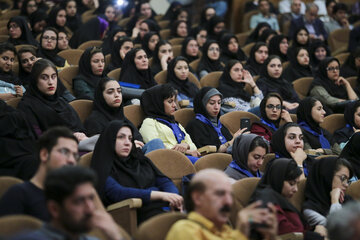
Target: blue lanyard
<point x="244" y="171"/>
<point x="179" y="135"/>
<point x="323" y="141"/>
<point x="217" y="129"/>
<point x="271" y="125"/>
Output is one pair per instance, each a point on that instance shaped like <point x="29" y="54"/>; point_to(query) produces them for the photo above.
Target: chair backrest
<point x="15" y="224"/>
<point x="20" y="46"/>
<point x="164" y="24"/>
<point x="4" y="38"/>
<point x="83" y="107"/>
<point x="298" y="198"/>
<point x="3" y="31"/>
<point x="115" y="74"/>
<point x="333" y="122"/>
<point x="176" y="50"/>
<point x="86" y="14"/>
<point x="302" y="86"/>
<point x="242" y="191"/>
<point x="9" y="14"/>
<point x="15" y="68"/>
<point x="85" y="160"/>
<point x="173" y="164"/>
<point x="195" y="64"/>
<point x="162" y="223"/>
<point x="242" y="37"/>
<point x="72" y="56"/>
<point x="267" y="158"/>
<point x="184" y="116"/>
<point x="352" y="81"/>
<point x="246" y="20"/>
<point x="211" y="79"/>
<point x="213" y="160"/>
<point x="176" y="41"/>
<point x="6" y="182"/>
<point x="354" y="190"/>
<point x="135" y="114"/>
<point x="13" y="102"/>
<point x="123" y="22"/>
<point x="91" y="43"/>
<point x="342" y="57"/>
<point x="160" y="78"/>
<point x="165" y="34"/>
<point x="338" y="38"/>
<point x="247" y="48"/>
<point x="107" y="59"/>
<point x="231" y="120"/>
<point x="66" y="76"/>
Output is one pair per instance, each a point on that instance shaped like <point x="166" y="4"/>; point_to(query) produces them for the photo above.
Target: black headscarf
<point x="266" y="33"/>
<point x="9" y="76"/>
<point x="51" y="21"/>
<point x="85" y="71"/>
<point x="319" y="185"/>
<point x="349" y="112"/>
<point x="183" y="86"/>
<point x="351" y="152"/>
<point x="203" y="21"/>
<point x="270" y="186"/>
<point x="206" y="63"/>
<point x="295" y="70"/>
<point x="131" y="74"/>
<point x="278" y="140"/>
<point x="72" y="22"/>
<point x="26" y="35"/>
<point x="283" y="86"/>
<point x="50" y="54"/>
<point x="303" y="113"/>
<point x="153" y="27"/>
<point x="252" y="65"/>
<point x="295" y="42"/>
<point x="152" y="102"/>
<point x="349" y="69"/>
<point x="183" y="49"/>
<point x="230" y="88"/>
<point x="226" y="54"/>
<point x="313" y="46"/>
<point x="211" y="25"/>
<point x="263" y="110"/>
<point x="145" y="43"/>
<point x="80" y="7"/>
<point x="322" y="79"/>
<point x="116" y="60"/>
<point x="35" y="17"/>
<point x="170" y="13"/>
<point x="108" y="42"/>
<point x="49" y="111"/>
<point x="174" y="27"/>
<point x="254" y="35"/>
<point x="274" y="47"/>
<point x="23" y="10"/>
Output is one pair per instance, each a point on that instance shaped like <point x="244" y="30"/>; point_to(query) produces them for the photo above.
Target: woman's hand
<point x="285" y="115"/>
<point x="176" y="201"/>
<point x="299" y="156"/>
<point x="247" y="78"/>
<point x="80" y="136"/>
<point x="341" y="81"/>
<point x="18" y="90"/>
<point x="238" y="133"/>
<point x="320" y="229"/>
<point x="337" y="196"/>
<point x="181" y="147"/>
<point x="138" y="144"/>
<point x="290" y="106"/>
<point x="193" y="153"/>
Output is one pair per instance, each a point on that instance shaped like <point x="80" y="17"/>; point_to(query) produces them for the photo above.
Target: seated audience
<point x="190" y="49"/>
<point x="200" y="34"/>
<point x="352" y="154"/>
<point x="145" y="27"/>
<point x="325" y="189"/>
<point x="267" y="35"/>
<point x="215" y="27"/>
<point x="159" y="105"/>
<point x="179" y="29"/>
<point x="163" y="54"/>
<point x="299" y="66"/>
<point x="124" y="172"/>
<point x="143" y="10"/>
<point x="232" y="87"/>
<point x="256" y="33"/>
<point x="19" y="32"/>
<point x="108" y="43"/>
<point x="291" y="9"/>
<point x="339" y="19"/>
<point x="300" y="39"/>
<point x="57" y="18"/>
<point x="248" y="153"/>
<point x="63" y="40"/>
<point x="119" y="50"/>
<point x="210" y="59"/>
<point x="73" y="18"/>
<point x="258" y="54"/>
<point x="351" y="67"/>
<point x="318" y="52"/>
<point x="38" y="22"/>
<point x="279" y="46"/>
<point x="28" y="7"/>
<point x="354" y="39"/>
<point x="206" y="14"/>
<point x="149" y="43"/>
<point x="272" y="112"/>
<point x="264" y="16"/>
<point x="310" y="114"/>
<point x="230" y="49"/>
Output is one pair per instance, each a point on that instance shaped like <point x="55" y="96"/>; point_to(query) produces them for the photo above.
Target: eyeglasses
<point x="273" y="107"/>
<point x="14" y="25"/>
<point x="46" y="38"/>
<point x="214" y="49"/>
<point x="67" y="153"/>
<point x="333" y="69"/>
<point x="344" y="179"/>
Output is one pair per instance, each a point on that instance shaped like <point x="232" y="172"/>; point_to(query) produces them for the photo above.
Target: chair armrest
<point x="292" y="236"/>
<point x="207" y="149"/>
<point x="130" y="203"/>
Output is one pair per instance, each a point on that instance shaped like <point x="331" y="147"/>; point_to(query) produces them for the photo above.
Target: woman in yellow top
<point x="159" y="106"/>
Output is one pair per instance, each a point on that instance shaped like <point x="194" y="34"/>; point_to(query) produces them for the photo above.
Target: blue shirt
<point x="258" y="18"/>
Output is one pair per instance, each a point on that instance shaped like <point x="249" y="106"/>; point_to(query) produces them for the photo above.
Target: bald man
<point x="208" y="202"/>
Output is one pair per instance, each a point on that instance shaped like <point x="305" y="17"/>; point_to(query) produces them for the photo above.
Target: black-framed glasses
<point x="333" y="69"/>
<point x="344" y="179"/>
<point x="273" y="107"/>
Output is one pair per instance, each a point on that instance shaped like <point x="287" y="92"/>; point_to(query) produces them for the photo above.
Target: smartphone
<point x="245" y="123"/>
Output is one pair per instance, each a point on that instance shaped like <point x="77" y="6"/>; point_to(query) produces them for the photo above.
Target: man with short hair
<point x="70" y="198"/>
<point x="56" y="147"/>
<point x="208" y="202"/>
<point x="264" y="16"/>
<point x="339" y="19"/>
<point x="311" y="22"/>
<point x="295" y="13"/>
<point x="291" y="6"/>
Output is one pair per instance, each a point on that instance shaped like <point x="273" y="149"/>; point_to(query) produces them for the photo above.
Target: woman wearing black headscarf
<point x="135" y="69"/>
<point x="352" y="119"/>
<point x="178" y="77"/>
<point x="271" y="80"/>
<point x="159" y="105"/>
<point x="351" y="152"/>
<point x="91" y="70"/>
<point x="258" y="54"/>
<point x="299" y="66"/>
<point x="267" y="35"/>
<point x="179" y="29"/>
<point x="170" y="13"/>
<point x="120" y="48"/>
<point x="143" y="10"/>
<point x="279" y="45"/>
<point x="57" y="18"/>
<point x="215" y="26"/>
<point x="28" y="7"/>
<point x="351" y="67"/>
<point x="145" y="26"/>
<point x="48" y="48"/>
<point x="300" y="39"/>
<point x="210" y="59"/>
<point x="163" y="54"/>
<point x="287" y="142"/>
<point x="149" y="43"/>
<point x="325" y="189"/>
<point x="108" y="43"/>
<point x="318" y="52"/>
<point x="331" y="88"/>
<point x="271" y="114"/>
<point x="248" y="153"/>
<point x="278" y="186"/>
<point x="310" y="114"/>
<point x="19" y="32"/>
<point x="43" y="105"/>
<point x="124" y="172"/>
<point x="206" y="14"/>
<point x="232" y="87"/>
<point x="230" y="49"/>
<point x="190" y="49"/>
<point x="206" y="128"/>
<point x="256" y="33"/>
<point x="73" y="18"/>
<point x="37" y="22"/>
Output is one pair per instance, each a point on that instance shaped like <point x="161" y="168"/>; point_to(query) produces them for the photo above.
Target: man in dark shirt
<point x="56" y="147"/>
